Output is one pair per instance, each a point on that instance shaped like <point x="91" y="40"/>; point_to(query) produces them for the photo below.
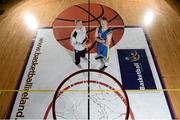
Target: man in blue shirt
<point x="103" y="37"/>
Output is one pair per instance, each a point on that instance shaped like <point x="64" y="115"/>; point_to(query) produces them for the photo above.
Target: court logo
<point x="134" y="56"/>
<point x="135" y="69"/>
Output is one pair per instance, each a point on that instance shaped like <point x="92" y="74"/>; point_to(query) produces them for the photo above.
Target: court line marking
<point x="129" y="91"/>
<point x="111" y="26"/>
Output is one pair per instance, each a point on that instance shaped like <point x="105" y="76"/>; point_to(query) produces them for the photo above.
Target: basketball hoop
<point x="64" y="93"/>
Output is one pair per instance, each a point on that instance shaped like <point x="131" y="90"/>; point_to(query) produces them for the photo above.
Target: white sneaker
<point x="106" y="62"/>
<point x="79" y="65"/>
<point x="103" y="68"/>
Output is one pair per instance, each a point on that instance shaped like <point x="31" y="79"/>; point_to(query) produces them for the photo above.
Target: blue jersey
<point x="102" y="49"/>
<point x="103" y="34"/>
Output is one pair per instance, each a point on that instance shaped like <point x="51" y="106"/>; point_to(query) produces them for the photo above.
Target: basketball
<point x="68" y="16"/>
<point x="88" y="43"/>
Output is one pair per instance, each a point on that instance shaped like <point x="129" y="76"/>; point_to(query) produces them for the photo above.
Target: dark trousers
<point x="78" y="55"/>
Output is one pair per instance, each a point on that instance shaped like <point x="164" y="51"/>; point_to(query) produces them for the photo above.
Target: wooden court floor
<point x="16" y="37"/>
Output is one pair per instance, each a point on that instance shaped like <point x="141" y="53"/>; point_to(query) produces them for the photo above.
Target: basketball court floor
<point x="39" y="79"/>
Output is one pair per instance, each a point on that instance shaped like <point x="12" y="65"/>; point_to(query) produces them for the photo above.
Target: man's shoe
<point x="79" y="66"/>
<point x="103" y="68"/>
<point x="98" y="57"/>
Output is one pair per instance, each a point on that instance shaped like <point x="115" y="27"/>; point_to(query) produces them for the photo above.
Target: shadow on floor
<point x="175" y="4"/>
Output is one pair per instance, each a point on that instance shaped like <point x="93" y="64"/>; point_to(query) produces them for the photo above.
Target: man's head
<point x="104" y="22"/>
<point x="78" y="24"/>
